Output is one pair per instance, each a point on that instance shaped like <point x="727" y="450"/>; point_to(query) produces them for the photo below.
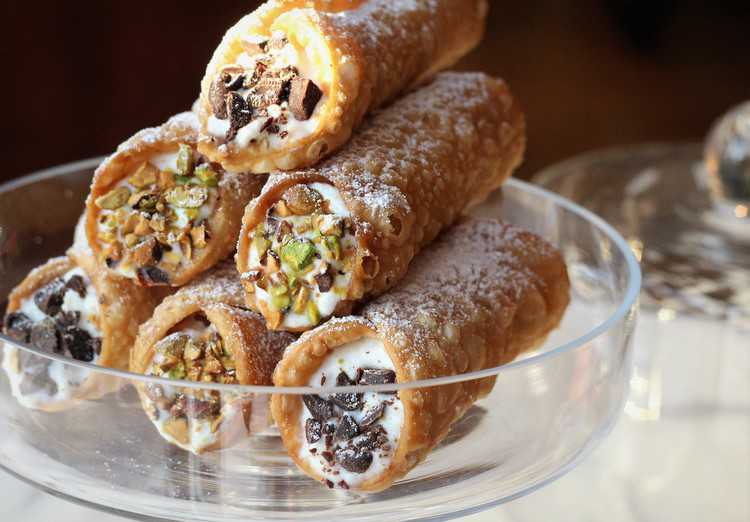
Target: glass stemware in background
<point x="682" y="449"/>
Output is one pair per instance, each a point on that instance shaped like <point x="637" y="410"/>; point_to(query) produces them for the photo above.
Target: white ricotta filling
<point x="326" y="302"/>
<point x="67" y="378"/>
<point x="363" y="353"/>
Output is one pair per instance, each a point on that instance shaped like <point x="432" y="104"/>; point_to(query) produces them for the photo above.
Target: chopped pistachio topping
<point x="300" y="264"/>
<point x="113" y="199"/>
<point x="153" y="222"/>
<point x="298" y="253"/>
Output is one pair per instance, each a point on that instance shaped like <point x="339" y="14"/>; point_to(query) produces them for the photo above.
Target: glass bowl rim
<point x="629" y="300"/>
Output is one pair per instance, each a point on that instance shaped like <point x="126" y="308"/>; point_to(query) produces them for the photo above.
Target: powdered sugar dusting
<point x="471" y="279"/>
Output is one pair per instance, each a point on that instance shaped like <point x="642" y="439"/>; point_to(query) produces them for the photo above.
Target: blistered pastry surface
<point x="411" y="170"/>
<point x="377" y="48"/>
<point x="481" y="294"/>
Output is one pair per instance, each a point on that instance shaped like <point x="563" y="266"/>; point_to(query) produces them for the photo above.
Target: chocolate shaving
<point x="49" y="299"/>
<point x="347" y="428"/>
<point x="304" y="95"/>
<point x="325" y="281"/>
<point x="44" y="336"/>
<point x="217" y="94"/>
<point x="356" y="460"/>
<point x="318" y="407"/>
<point x="240" y="114"/>
<point x="78" y="342"/>
<point x="152" y="276"/>
<point x="17" y="326"/>
<point x="313" y="430"/>
<point x="376" y="376"/>
<point x="372" y="415"/>
<point x="78" y="285"/>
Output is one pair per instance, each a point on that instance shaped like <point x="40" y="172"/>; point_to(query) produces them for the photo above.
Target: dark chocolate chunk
<point x="320" y="408"/>
<point x="217" y="94"/>
<point x="66" y="319"/>
<point x="329" y="484"/>
<point x="328" y="428"/>
<point x="342" y="379"/>
<point x="325" y="281"/>
<point x="77" y="341"/>
<point x="356" y="460"/>
<point x="235" y="82"/>
<point x="376" y="376"/>
<point x="17" y="326"/>
<point x="240" y="114"/>
<point x="343" y="485"/>
<point x="373" y="438"/>
<point x="152" y="276"/>
<point x="313" y="430"/>
<point x="347" y="428"/>
<point x="328" y="456"/>
<point x="199" y="409"/>
<point x="77" y="284"/>
<point x="157" y="251"/>
<point x="346" y="401"/>
<point x="49" y="298"/>
<point x="372" y="415"/>
<point x="44" y="336"/>
<point x="304" y="95"/>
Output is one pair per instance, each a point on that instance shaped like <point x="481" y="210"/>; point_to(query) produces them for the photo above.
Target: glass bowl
<point x="545" y="413"/>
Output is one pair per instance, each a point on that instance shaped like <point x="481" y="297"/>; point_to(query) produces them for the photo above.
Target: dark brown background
<point x="81" y="76"/>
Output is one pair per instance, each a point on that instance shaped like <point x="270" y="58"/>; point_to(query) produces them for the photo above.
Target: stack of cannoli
<point x="317" y="188"/>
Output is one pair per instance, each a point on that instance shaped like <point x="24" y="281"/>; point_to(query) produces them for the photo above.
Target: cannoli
<point x="290" y="82"/>
<point x="159" y="212"/>
<point x="480" y="295"/>
<point x="70" y="307"/>
<point x="201" y="334"/>
<point x="317" y="241"/>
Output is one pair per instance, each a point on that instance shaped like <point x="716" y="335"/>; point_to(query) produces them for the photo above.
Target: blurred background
<point x="83" y="76"/>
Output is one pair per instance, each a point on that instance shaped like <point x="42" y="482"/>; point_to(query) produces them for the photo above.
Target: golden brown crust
<point x="479" y="296"/>
<point x="377" y="49"/>
<point x="235" y="190"/>
<point x="410" y="172"/>
<point x="123" y="307"/>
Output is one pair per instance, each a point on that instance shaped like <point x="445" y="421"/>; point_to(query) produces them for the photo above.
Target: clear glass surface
<point x="545" y="413"/>
<point x="682" y="450"/>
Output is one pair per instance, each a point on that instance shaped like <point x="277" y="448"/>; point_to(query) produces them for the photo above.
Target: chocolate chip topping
<point x="66" y="319"/>
<point x="325" y="282"/>
<point x="356" y="460"/>
<point x="152" y="276"/>
<point x="49" y="299"/>
<point x="313" y="430"/>
<point x="78" y="342"/>
<point x="318" y="407"/>
<point x="346" y="401"/>
<point x="347" y="429"/>
<point x="44" y="336"/>
<point x="372" y="415"/>
<point x="77" y="284"/>
<point x="304" y="95"/>
<point x="17" y="326"/>
<point x="217" y="94"/>
<point x="240" y="114"/>
<point x="376" y="376"/>
<point x="373" y="438"/>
